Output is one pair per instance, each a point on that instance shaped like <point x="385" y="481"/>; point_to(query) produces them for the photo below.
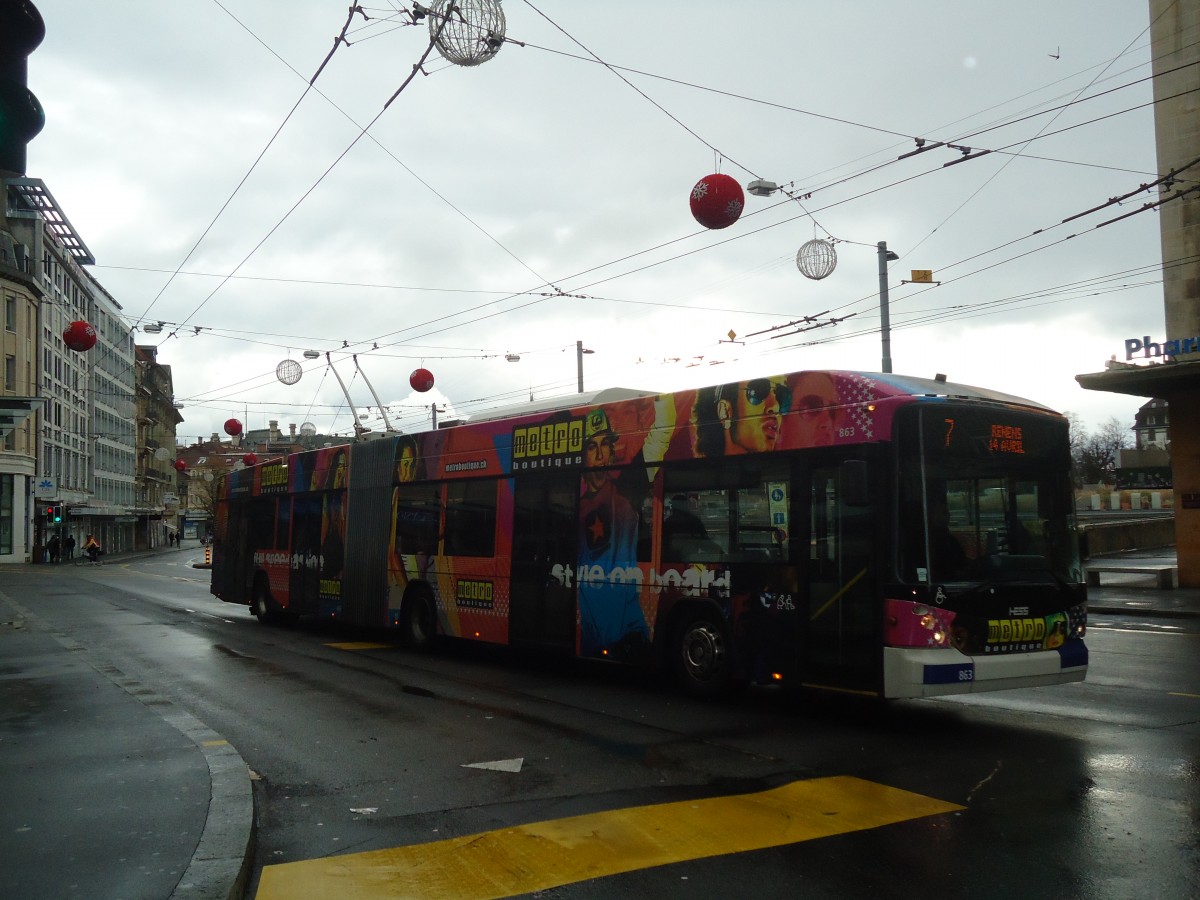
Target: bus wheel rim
<point x="703" y="652"/>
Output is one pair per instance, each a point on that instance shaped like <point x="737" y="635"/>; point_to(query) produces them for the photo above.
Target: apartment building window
<point x="10" y="374"/>
<point x="10" y="312"/>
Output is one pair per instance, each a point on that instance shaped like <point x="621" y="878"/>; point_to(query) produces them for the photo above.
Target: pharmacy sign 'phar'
<point x="1167" y="349"/>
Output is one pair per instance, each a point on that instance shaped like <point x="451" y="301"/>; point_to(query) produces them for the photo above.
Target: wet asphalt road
<point x="1084" y="790"/>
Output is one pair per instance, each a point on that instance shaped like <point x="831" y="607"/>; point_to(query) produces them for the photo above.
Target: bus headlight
<point x="1077" y="621"/>
<point x="909" y="624"/>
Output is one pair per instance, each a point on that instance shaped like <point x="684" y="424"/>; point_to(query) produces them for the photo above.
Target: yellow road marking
<point x="1180" y="694"/>
<point x="358" y="645"/>
<point x="542" y="855"/>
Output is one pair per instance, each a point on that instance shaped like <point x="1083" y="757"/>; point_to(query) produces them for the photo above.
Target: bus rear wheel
<point x="261" y="606"/>
<point x="700" y="659"/>
<point x="418" y="623"/>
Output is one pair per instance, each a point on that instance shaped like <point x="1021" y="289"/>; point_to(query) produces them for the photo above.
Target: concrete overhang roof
<point x="1162" y="380"/>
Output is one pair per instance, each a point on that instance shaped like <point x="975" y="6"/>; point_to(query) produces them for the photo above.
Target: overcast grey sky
<point x="185" y="147"/>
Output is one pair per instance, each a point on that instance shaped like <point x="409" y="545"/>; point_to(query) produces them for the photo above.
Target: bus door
<point x="842" y="631"/>
<point x="232" y="567"/>
<point x="544" y="554"/>
<point x="305" y="582"/>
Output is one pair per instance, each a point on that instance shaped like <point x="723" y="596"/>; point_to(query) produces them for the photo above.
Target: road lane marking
<point x="543" y="855"/>
<point x="498" y="765"/>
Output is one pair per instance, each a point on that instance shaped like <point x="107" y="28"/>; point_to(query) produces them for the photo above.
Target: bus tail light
<point x="909" y="624"/>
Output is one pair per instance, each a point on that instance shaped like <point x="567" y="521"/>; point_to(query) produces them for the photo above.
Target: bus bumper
<point x="919" y="672"/>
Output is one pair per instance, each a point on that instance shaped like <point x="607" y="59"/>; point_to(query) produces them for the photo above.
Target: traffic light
<point x="21" y="115"/>
<point x="53" y="513"/>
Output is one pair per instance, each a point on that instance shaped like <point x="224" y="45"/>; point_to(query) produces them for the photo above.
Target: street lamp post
<point x="885" y="325"/>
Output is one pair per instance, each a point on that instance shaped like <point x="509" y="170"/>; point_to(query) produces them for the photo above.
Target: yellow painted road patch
<point x="359" y="645"/>
<point x="543" y="855"/>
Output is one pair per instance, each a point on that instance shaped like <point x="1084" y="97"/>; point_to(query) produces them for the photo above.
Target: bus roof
<point x="902" y="385"/>
<point x="553" y="404"/>
<point x="937" y="387"/>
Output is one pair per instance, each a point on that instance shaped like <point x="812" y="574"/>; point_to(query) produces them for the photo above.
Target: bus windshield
<point x="985" y="496"/>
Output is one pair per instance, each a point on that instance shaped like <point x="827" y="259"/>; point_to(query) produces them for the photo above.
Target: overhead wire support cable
<point x="1178" y="195"/>
<point x="639" y="91"/>
<point x="416" y="68"/>
<point x="1168" y="178"/>
<point x="254" y="165"/>
<point x="338" y="41"/>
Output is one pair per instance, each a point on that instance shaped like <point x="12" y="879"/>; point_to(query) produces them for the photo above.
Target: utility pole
<point x="885" y="324"/>
<point x="579" y="351"/>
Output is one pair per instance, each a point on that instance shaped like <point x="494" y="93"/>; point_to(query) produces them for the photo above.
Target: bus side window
<point x="417" y="515"/>
<point x="471" y="518"/>
<point x="696" y="516"/>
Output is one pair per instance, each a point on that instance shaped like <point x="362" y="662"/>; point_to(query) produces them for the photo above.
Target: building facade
<point x="74" y="451"/>
<point x="1148" y="463"/>
<point x="156" y="500"/>
<point x="19" y="398"/>
<point x="1175" y="50"/>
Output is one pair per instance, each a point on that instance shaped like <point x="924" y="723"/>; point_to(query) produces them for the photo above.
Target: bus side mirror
<point x="855" y="491"/>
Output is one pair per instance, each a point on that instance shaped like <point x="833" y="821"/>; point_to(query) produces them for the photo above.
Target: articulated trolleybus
<point x="870" y="533"/>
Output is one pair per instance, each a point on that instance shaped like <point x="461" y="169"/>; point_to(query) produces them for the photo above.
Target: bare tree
<point x="1078" y="435"/>
<point x="1097" y="459"/>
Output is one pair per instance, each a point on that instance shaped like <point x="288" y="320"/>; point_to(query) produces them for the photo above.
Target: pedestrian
<point x="54" y="548"/>
<point x="171" y="538"/>
<point x="69" y="547"/>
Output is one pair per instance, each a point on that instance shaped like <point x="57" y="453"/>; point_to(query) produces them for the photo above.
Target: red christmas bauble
<point x="180" y="465"/>
<point x="717" y="201"/>
<point x="250" y="458"/>
<point x="233" y="427"/>
<point x="421" y="380"/>
<point x="79" y="335"/>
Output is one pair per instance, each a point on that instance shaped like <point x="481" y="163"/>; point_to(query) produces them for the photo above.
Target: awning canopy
<point x="14" y="411"/>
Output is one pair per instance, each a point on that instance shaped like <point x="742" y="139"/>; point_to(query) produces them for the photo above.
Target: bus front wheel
<point x="700" y="655"/>
<point x="419" y="624"/>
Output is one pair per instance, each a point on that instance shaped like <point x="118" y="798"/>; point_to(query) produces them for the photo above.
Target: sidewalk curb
<point x="221" y="863"/>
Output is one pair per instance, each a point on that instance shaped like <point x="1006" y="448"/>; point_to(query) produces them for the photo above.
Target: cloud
<point x="432" y="239"/>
